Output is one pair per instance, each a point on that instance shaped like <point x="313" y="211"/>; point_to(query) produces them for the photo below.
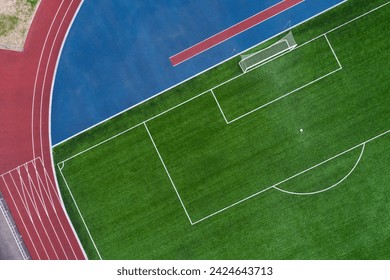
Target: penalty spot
<point x="301" y="130"/>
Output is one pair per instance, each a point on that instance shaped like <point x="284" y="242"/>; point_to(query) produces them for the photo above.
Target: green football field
<point x="287" y="161"/>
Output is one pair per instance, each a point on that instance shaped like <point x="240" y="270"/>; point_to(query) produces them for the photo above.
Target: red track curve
<point x="27" y="180"/>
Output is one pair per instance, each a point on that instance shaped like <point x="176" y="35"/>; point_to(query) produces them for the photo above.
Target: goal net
<point x="285" y="44"/>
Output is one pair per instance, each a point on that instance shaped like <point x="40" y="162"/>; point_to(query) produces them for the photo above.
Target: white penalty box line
<point x="340" y="67"/>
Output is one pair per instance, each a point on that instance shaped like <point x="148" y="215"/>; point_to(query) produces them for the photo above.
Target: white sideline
<point x="100" y="143"/>
<point x="78" y="210"/>
<point x="169" y="176"/>
<point x="332" y="186"/>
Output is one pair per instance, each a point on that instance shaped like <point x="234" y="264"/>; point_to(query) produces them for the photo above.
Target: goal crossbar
<point x="283" y="45"/>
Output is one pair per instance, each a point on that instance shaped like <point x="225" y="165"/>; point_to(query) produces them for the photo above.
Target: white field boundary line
<point x="332" y="186"/>
<point x="292" y="177"/>
<point x="78" y="210"/>
<point x="12" y="229"/>
<point x="201" y="72"/>
<point x="21" y="218"/>
<point x="287" y="94"/>
<point x="100" y="143"/>
<point x="204" y="92"/>
<point x="169" y="176"/>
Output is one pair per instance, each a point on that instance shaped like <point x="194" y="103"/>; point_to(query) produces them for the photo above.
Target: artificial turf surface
<point x="130" y="205"/>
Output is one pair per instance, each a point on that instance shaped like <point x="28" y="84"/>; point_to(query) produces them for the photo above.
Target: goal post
<point x="285" y="44"/>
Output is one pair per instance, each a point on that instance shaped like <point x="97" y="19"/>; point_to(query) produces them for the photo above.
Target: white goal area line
<point x="169" y="176"/>
<point x="340" y="67"/>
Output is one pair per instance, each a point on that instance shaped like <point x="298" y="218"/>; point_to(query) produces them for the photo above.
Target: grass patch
<point x="7" y="24"/>
<point x="33" y="3"/>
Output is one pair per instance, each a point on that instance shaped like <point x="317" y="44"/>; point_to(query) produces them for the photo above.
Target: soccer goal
<point x="285" y="44"/>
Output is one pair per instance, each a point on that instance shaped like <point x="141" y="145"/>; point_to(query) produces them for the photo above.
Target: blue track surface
<point x="117" y="52"/>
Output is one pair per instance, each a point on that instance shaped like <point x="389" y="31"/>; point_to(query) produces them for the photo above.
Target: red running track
<point x="233" y="31"/>
<point x="26" y="169"/>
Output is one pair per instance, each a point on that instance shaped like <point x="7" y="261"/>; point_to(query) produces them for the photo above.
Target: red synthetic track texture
<point x="26" y="174"/>
<point x="233" y="31"/>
